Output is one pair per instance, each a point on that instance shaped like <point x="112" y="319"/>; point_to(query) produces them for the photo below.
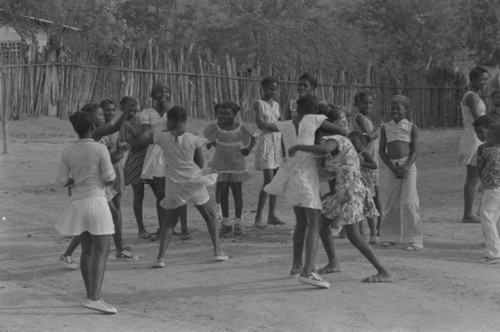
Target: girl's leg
<point x="311" y="244"/>
<point x="208" y="214"/>
<point x="226" y="227"/>
<point x="75" y="241"/>
<point x="238" y="199"/>
<point x="117" y="237"/>
<point x="166" y="230"/>
<point x="217" y="201"/>
<point x="183" y="216"/>
<point x="372" y="224"/>
<point x="86" y="262"/>
<point x="138" y="190"/>
<point x="299" y="235"/>
<point x="100" y="244"/>
<point x="470" y="187"/>
<point x="327" y="239"/>
<point x="366" y="250"/>
<point x="268" y="176"/>
<point x="159" y="189"/>
<point x="272" y="219"/>
<point x="238" y="206"/>
<point x="378" y="206"/>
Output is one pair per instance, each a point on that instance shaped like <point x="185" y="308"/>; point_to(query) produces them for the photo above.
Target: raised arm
<point x="328" y="147"/>
<point x="110" y="129"/>
<point x="333" y="128"/>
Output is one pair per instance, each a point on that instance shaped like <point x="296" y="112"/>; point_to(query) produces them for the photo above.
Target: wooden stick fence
<point x="199" y="81"/>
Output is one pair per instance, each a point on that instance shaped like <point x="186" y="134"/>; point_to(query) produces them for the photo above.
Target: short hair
<point x="177" y="114"/>
<point x="268" y="80"/>
<point x="496" y="128"/>
<point x="235" y="108"/>
<point x="90" y="107"/>
<point x="157" y="86"/>
<point x="358" y="135"/>
<point x="361" y="95"/>
<point x="494" y="93"/>
<point x="483" y="121"/>
<point x="126" y="100"/>
<point x="308" y="77"/>
<point x="82" y="122"/>
<point x="106" y="102"/>
<point x="476" y="72"/>
<point x="307" y="104"/>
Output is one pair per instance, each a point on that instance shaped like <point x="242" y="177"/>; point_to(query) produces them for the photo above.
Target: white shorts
<point x="177" y="195"/>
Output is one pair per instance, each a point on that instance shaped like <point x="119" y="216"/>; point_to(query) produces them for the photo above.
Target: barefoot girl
<point x="98" y="133"/>
<point x="131" y="133"/>
<point x="298" y="180"/>
<point x="346" y="204"/>
<point x="233" y="141"/>
<point x="154" y="163"/>
<point x="87" y="215"/>
<point x="184" y="180"/>
<point x="398" y="150"/>
<point x="472" y="107"/>
<point x="363" y="101"/>
<point x="268" y="153"/>
<point x="116" y="149"/>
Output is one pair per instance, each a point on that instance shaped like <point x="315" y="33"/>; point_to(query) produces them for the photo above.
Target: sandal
<point x="376" y="279"/>
<point x="387" y="244"/>
<point x="126" y="255"/>
<point x="327" y="269"/>
<point x="144" y="236"/>
<point x="296" y="272"/>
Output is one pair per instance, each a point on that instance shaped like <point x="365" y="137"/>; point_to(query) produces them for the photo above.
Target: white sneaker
<point x="314" y="279"/>
<point x="69" y="262"/>
<point x="100" y="306"/>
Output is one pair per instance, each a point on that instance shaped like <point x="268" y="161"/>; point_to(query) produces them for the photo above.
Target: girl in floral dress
<point x="345" y="205"/>
<point x="233" y="141"/>
<point x="268" y="153"/>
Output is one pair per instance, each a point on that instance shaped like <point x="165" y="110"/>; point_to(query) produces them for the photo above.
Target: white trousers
<point x="490" y="221"/>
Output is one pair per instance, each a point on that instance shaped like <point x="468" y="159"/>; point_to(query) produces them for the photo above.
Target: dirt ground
<point x="441" y="288"/>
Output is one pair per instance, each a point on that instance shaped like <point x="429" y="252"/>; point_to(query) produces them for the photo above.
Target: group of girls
<point x="163" y="155"/>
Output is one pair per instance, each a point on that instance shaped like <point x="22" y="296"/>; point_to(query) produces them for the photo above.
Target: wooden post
<point x="5" y="116"/>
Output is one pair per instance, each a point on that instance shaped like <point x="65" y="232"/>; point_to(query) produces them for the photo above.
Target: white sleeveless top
<point x="468" y="141"/>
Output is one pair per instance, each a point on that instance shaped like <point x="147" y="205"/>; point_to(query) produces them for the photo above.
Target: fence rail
<point x="198" y="83"/>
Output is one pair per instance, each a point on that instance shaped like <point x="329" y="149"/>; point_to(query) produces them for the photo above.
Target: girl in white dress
<point x="86" y="166"/>
<point x="472" y="107"/>
<point x="268" y="153"/>
<point x="298" y="180"/>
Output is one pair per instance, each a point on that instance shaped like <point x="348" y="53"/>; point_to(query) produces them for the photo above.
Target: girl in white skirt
<point x="86" y="166"/>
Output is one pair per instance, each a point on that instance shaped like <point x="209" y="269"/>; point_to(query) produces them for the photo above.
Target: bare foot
<point x="258" y="224"/>
<point x="328" y="269"/>
<point x="379" y="277"/>
<point x="275" y="221"/>
<point x="473" y="219"/>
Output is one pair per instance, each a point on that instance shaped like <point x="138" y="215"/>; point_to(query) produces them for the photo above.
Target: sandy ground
<point x="441" y="288"/>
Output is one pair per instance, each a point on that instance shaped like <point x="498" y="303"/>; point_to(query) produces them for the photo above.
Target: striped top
<point x="132" y="131"/>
